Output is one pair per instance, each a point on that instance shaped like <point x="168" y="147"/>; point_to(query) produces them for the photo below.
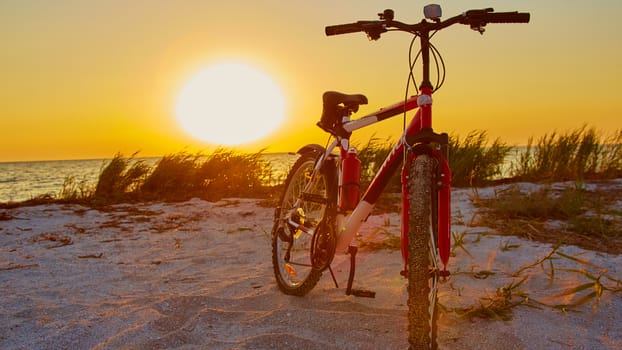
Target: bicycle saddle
<point x="334" y="98"/>
<point x="337" y="105"/>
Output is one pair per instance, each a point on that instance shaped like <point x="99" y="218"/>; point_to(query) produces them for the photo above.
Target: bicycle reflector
<point x="433" y="12"/>
<point x="290" y="270"/>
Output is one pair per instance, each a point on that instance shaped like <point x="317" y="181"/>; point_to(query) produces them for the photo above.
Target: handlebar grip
<point x="507" y="17"/>
<point x="343" y="29"/>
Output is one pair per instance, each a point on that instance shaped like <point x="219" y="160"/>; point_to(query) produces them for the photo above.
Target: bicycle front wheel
<point x="422" y="279"/>
<point x="305" y="203"/>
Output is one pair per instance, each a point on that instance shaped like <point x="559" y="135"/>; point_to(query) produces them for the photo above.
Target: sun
<point x="230" y="104"/>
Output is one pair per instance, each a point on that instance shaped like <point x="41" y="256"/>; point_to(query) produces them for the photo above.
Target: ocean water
<point x="20" y="181"/>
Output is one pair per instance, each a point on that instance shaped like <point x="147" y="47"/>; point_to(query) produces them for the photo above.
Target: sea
<point x="21" y="181"/>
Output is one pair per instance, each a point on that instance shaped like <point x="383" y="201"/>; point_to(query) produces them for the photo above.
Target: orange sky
<point x="87" y="79"/>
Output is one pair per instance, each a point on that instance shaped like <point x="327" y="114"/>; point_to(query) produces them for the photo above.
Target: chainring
<point x="323" y="246"/>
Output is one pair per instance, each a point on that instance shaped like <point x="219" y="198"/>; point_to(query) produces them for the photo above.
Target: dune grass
<point x="182" y="176"/>
<point x="75" y="190"/>
<point x="174" y="177"/>
<point x="372" y="154"/>
<point x="474" y="160"/>
<point x="577" y="154"/>
<point x="581" y="216"/>
<point x="588" y="284"/>
<point x="119" y="179"/>
<point x="580" y="154"/>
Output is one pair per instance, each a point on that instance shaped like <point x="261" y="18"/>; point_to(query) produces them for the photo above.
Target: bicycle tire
<point x="293" y="266"/>
<point x="421" y="317"/>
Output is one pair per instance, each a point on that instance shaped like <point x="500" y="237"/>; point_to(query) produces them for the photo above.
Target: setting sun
<point x="230" y="104"/>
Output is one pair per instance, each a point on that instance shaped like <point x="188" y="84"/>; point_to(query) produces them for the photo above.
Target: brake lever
<point x="373" y="29"/>
<point x="374" y="34"/>
<point x="480" y="28"/>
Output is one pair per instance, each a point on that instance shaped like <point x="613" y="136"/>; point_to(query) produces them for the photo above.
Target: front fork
<point x="441" y="211"/>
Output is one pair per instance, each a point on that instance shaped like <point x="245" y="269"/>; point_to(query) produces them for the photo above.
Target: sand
<point x="198" y="275"/>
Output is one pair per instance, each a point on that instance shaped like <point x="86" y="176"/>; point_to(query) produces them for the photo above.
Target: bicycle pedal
<point x="362" y="293"/>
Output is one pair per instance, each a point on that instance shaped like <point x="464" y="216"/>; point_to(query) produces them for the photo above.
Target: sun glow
<point x="230" y="104"/>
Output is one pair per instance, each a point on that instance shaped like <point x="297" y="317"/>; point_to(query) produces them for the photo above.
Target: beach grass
<point x="75" y="190"/>
<point x="372" y="155"/>
<point x="119" y="179"/>
<point x="578" y="154"/>
<point x="582" y="216"/>
<point x="182" y="176"/>
<point x="174" y="177"/>
<point x="226" y="172"/>
<point x="475" y="160"/>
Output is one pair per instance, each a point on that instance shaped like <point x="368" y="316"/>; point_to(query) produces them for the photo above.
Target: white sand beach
<point x="198" y="275"/>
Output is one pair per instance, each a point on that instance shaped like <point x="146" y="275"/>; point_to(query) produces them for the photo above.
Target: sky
<point x="87" y="79"/>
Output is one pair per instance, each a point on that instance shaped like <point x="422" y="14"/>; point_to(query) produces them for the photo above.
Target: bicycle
<point x="321" y="208"/>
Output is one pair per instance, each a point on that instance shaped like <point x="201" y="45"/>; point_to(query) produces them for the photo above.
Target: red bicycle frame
<point x="418" y="131"/>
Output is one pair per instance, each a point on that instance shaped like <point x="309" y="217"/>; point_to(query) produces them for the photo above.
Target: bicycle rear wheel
<point x="300" y="246"/>
<point x="422" y="267"/>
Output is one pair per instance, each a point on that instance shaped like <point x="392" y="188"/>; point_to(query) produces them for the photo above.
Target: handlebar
<point x="476" y="19"/>
<point x="359" y="26"/>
